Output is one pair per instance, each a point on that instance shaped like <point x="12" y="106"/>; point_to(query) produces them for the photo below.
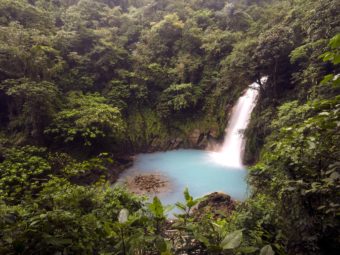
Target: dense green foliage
<point x="135" y="54"/>
<point x="299" y="166"/>
<point x="82" y="81"/>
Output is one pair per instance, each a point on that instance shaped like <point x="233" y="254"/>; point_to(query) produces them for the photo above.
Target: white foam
<point x="231" y="152"/>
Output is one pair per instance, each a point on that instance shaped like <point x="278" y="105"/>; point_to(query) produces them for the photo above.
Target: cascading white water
<point x="232" y="149"/>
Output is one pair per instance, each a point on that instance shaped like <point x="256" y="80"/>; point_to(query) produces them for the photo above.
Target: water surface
<point x="205" y="172"/>
<point x="195" y="169"/>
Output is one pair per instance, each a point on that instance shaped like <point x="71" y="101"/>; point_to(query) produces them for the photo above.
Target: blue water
<point x="194" y="169"/>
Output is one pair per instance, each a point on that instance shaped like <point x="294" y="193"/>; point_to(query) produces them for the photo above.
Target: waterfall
<point x="231" y="152"/>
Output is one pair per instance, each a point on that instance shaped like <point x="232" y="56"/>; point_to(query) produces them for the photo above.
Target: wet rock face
<point x="196" y="139"/>
<point x="194" y="136"/>
<point x="176" y="143"/>
<point x="158" y="144"/>
<point x="216" y="203"/>
<point x="213" y="133"/>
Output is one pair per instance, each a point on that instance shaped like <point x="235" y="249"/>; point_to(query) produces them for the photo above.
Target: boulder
<point x="217" y="203"/>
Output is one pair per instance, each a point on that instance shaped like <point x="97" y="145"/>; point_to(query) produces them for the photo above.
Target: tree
<point x="25" y="14"/>
<point x="298" y="167"/>
<point x="162" y="37"/>
<point x="177" y="98"/>
<point x="271" y="56"/>
<point x="27" y="52"/>
<point x="86" y="119"/>
<point x="30" y="105"/>
<point x="238" y="67"/>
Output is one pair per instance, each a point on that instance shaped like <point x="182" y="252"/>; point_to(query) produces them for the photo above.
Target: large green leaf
<point x="232" y="240"/>
<point x="156" y="207"/>
<point x="187" y="195"/>
<point x="123" y="216"/>
<point x="267" y="250"/>
<point x="248" y="249"/>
